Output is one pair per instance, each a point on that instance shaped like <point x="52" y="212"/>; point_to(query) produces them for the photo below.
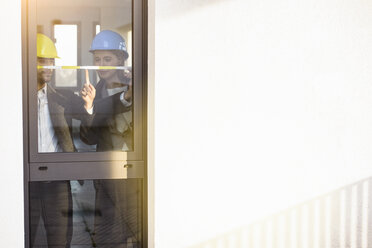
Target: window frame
<point x="138" y="104"/>
<point x="125" y="160"/>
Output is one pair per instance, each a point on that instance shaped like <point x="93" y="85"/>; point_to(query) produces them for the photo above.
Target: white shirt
<point x="48" y="141"/>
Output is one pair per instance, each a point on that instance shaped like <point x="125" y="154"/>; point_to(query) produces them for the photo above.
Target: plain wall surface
<point x="11" y="130"/>
<point x="259" y="105"/>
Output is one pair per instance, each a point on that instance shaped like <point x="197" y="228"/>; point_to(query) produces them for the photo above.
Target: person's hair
<point x="120" y="55"/>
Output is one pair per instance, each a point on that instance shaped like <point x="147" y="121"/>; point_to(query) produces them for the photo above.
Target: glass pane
<point x="67" y="51"/>
<point x="90" y="213"/>
<point x="84" y="65"/>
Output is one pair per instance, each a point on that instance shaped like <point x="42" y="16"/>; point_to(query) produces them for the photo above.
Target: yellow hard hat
<point x="46" y="47"/>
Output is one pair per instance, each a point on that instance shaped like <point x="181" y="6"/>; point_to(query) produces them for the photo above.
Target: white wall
<point x="11" y="145"/>
<point x="259" y="105"/>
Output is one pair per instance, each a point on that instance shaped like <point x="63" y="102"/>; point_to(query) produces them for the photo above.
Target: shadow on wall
<point x="170" y="8"/>
<point x="342" y="218"/>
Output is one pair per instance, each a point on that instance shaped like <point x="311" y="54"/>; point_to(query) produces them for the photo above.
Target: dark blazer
<point x="63" y="106"/>
<point x="50" y="200"/>
<point x="95" y="130"/>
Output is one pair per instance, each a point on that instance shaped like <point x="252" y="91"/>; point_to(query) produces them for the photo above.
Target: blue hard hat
<point x="109" y="40"/>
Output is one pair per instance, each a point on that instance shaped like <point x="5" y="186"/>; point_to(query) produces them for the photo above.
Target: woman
<point x="110" y="128"/>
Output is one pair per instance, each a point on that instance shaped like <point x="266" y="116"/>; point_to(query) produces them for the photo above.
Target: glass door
<point x="85" y="162"/>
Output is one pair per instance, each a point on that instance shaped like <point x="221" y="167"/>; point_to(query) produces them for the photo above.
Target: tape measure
<point x="84" y="67"/>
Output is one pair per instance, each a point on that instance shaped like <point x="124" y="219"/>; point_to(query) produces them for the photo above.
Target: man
<point x="52" y="201"/>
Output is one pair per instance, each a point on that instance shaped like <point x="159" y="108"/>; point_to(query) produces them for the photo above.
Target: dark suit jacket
<point x="63" y="106"/>
<point x="95" y="130"/>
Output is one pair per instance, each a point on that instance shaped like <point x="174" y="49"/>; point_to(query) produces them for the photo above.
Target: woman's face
<point x="106" y="58"/>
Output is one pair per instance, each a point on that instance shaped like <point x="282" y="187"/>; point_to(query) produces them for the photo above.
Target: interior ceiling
<point x="86" y="3"/>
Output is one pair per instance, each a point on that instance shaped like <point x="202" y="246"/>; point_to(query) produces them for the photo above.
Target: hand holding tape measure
<point x="88" y="93"/>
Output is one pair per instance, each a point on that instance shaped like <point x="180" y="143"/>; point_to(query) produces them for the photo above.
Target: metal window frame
<point x="126" y="164"/>
<point x="138" y="107"/>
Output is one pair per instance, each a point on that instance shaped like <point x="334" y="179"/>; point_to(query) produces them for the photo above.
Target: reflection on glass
<point x="85" y="102"/>
<point x="98" y="213"/>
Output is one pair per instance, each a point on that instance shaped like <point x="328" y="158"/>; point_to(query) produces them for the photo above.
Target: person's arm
<point x="111" y="105"/>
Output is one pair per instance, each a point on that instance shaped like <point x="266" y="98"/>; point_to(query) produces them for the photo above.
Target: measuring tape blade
<point x="84" y="67"/>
